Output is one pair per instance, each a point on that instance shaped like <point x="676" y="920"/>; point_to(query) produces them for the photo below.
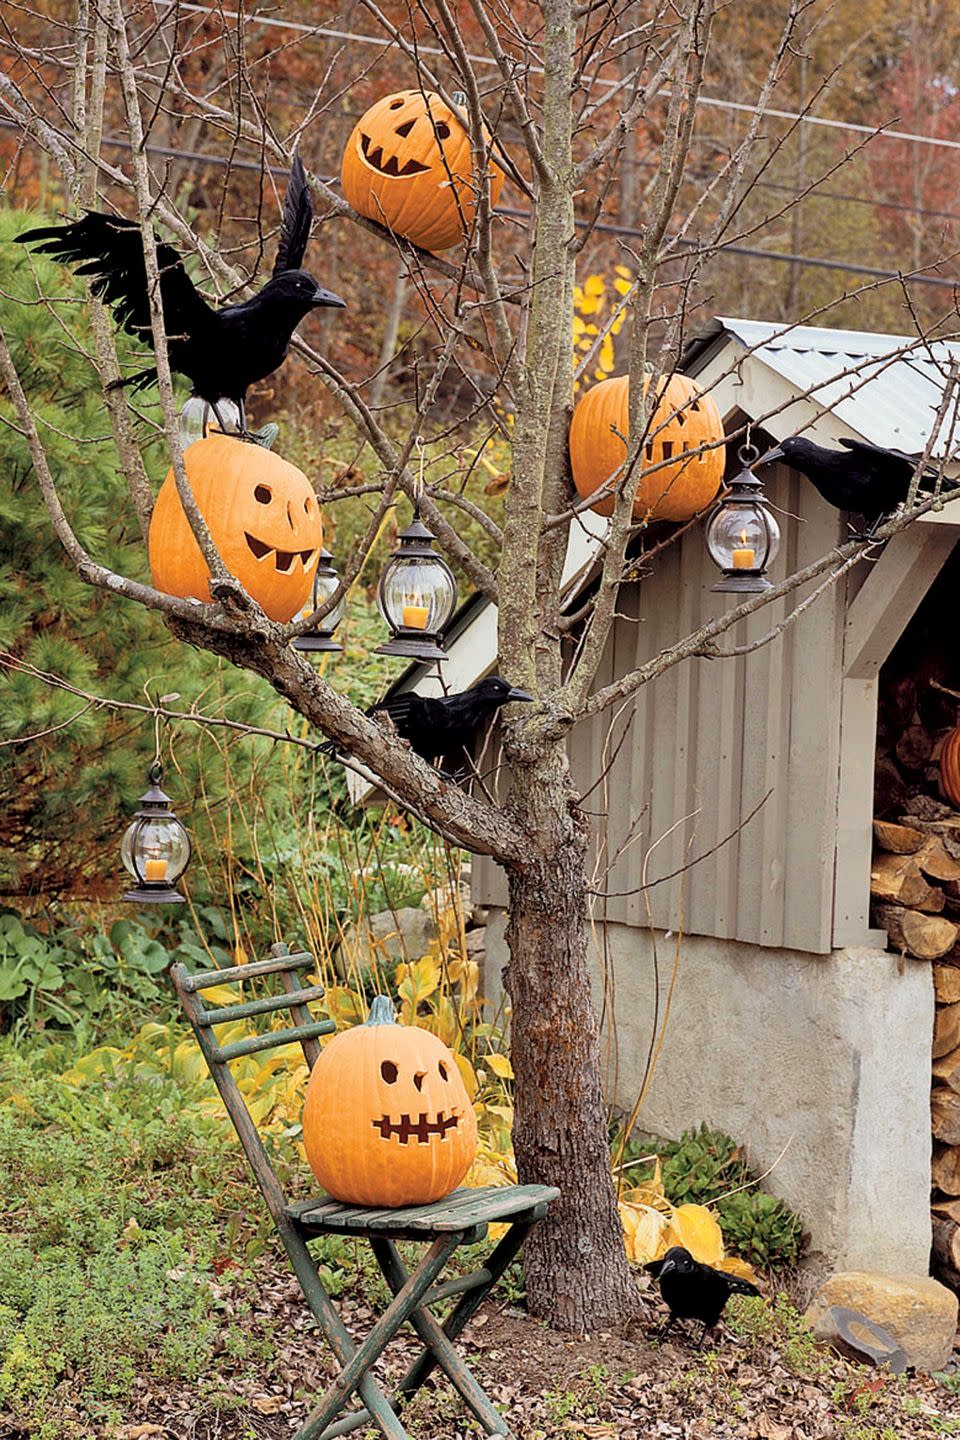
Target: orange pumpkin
<point x="263" y="518"/>
<point x="387" y="1119"/>
<point x="674" y="492"/>
<point x="950" y="767"/>
<point x="408" y="165"/>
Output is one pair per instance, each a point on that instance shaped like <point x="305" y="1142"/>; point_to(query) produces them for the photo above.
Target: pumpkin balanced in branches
<point x="950" y="767"/>
<point x="387" y="1120"/>
<point x="408" y="165"/>
<point x="262" y="515"/>
<point x="685" y="418"/>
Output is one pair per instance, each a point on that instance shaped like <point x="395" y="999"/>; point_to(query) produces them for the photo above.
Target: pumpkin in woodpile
<point x="262" y="515"/>
<point x="684" y="419"/>
<point x="387" y="1120"/>
<point x="409" y="165"/>
<point x="950" y="767"/>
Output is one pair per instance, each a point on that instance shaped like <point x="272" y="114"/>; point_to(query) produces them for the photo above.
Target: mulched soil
<point x="547" y="1384"/>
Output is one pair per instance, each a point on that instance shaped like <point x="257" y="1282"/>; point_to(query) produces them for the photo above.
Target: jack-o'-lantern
<point x="408" y="165"/>
<point x="262" y="515"/>
<point x="684" y="419"/>
<point x="387" y="1119"/>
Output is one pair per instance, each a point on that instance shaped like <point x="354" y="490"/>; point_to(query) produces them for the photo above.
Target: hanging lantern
<point x="742" y="536"/>
<point x="325" y="584"/>
<point x="156" y="848"/>
<point x="417" y="595"/>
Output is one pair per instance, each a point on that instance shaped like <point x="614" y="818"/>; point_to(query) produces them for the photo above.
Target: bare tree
<point x="553" y="93"/>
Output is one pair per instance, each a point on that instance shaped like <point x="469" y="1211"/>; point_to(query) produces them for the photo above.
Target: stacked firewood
<point x="915" y="884"/>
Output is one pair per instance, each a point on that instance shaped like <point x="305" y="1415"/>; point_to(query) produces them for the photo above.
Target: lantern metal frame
<point x="321" y="638"/>
<point x="745" y="497"/>
<point x="416" y="543"/>
<point x="154" y="805"/>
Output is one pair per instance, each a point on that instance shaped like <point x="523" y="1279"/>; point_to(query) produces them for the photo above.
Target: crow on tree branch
<point x="861" y="478"/>
<point x="222" y="352"/>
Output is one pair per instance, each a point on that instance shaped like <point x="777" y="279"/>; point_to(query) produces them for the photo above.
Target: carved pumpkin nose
<point x="290" y="517"/>
<point x="404" y="130"/>
<point x="418" y="1079"/>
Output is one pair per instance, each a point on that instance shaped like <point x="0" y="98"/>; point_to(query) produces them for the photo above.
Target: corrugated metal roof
<point x="885" y="388"/>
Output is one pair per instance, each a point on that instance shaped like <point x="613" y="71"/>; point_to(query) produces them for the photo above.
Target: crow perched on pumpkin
<point x="222" y="352"/>
<point x="862" y="478"/>
<point x="694" y="1291"/>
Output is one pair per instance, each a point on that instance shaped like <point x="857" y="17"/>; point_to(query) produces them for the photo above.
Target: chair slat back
<point x="295" y="998"/>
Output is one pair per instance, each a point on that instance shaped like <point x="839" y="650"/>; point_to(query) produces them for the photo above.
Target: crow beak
<point x="516" y="694"/>
<point x="775" y="454"/>
<point x="667" y="1267"/>
<point x="327" y="297"/>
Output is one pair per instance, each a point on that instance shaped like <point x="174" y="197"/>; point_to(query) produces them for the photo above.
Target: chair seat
<point x="461" y="1211"/>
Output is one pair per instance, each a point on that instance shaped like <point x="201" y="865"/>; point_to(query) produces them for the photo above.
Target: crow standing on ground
<point x="862" y="478"/>
<point x="446" y="725"/>
<point x="694" y="1291"/>
<point x="222" y="352"/>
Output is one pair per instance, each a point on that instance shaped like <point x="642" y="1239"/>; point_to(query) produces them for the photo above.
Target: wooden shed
<point x="791" y="1024"/>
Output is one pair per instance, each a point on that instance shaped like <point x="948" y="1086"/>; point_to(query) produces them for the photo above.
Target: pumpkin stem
<point x="381" y="1011"/>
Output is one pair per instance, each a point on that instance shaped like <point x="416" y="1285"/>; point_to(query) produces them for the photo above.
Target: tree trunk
<point x="576" y="1268"/>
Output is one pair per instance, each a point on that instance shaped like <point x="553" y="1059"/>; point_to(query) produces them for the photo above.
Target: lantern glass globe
<point x="743" y="535"/>
<point x="155" y="848"/>
<point x="417" y="593"/>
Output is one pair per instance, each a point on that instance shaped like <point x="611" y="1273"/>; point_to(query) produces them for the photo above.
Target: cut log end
<point x="925" y="937"/>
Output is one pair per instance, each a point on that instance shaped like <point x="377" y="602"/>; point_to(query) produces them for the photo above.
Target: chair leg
<point x="354" y="1372"/>
<point x="378" y="1407"/>
<point x="439" y="1350"/>
<point x="498" y="1260"/>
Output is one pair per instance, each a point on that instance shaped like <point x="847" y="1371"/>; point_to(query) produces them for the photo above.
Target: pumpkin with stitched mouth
<point x="409" y="166"/>
<point x="262" y="515"/>
<point x="387" y="1120"/>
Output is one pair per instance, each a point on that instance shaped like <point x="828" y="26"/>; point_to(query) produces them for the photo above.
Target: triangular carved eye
<point x="404" y="130"/>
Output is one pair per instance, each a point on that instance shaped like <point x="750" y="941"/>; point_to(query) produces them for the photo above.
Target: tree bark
<point x="576" y="1269"/>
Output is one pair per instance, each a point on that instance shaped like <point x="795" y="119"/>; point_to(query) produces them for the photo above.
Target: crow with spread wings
<point x="222" y="352"/>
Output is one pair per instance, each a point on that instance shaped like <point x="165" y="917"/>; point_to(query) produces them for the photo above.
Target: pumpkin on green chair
<point x="262" y="515"/>
<point x="409" y="165"/>
<point x="684" y="419"/>
<point x="387" y="1120"/>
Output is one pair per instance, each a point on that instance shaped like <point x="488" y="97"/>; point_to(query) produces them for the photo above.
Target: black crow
<point x="694" y="1291"/>
<point x="446" y="725"/>
<point x="222" y="352"/>
<point x="862" y="478"/>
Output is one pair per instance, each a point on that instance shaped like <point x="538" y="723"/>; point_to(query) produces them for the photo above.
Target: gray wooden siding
<point x="707" y="741"/>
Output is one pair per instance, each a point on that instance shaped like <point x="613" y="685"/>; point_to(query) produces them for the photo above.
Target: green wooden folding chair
<point x="461" y="1219"/>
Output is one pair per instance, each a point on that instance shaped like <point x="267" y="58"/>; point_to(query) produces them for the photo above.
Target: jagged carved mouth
<point x="283" y="559"/>
<point x="374" y="158"/>
<point x="422" y="1130"/>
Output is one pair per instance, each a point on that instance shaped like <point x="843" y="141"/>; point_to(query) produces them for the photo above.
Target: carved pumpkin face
<point x="673" y="492"/>
<point x="387" y="1119"/>
<point x="263" y="518"/>
<point x="408" y="165"/>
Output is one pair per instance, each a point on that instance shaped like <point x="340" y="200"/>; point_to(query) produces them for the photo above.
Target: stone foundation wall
<point x="827" y="1055"/>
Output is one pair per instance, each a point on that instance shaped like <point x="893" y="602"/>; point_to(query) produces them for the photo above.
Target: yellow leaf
<point x="500" y="1065"/>
<point x="733" y="1265"/>
<point x="623" y="287"/>
<point x="467" y="1073"/>
<point x="594" y="285"/>
<point x="643" y="1229"/>
<point x="694" y="1227"/>
<point x="622" y="271"/>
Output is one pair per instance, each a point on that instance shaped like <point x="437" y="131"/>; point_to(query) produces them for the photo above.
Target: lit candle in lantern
<point x="745" y="558"/>
<point x="155" y="869"/>
<point x="415" y="614"/>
